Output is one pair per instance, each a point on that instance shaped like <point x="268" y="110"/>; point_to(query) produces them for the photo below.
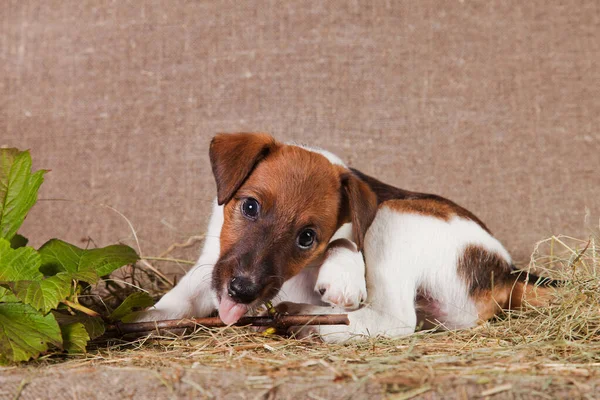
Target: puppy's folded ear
<point x="359" y="206"/>
<point x="234" y="156"/>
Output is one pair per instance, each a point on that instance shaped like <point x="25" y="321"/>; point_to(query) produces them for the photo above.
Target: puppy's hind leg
<point x="193" y="295"/>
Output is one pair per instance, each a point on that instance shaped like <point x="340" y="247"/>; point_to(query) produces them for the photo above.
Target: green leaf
<point x="20" y="264"/>
<point x="75" y="337"/>
<point x="134" y="300"/>
<point x="25" y="332"/>
<point x="18" y="189"/>
<point x="93" y="325"/>
<point x="18" y="241"/>
<point x="86" y="265"/>
<point x="7" y="296"/>
<point x="45" y="295"/>
<point x="59" y="256"/>
<point x="107" y="259"/>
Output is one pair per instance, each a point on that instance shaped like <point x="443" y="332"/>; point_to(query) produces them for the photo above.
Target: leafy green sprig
<point x="39" y="289"/>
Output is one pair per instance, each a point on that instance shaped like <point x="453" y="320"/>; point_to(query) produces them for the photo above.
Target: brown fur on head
<point x="276" y="197"/>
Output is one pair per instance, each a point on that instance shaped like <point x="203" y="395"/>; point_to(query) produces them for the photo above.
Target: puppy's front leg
<point x="341" y="280"/>
<point x="364" y="323"/>
<point x="193" y="296"/>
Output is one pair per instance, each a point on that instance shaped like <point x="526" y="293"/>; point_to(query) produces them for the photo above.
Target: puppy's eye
<point x="306" y="238"/>
<point x="250" y="208"/>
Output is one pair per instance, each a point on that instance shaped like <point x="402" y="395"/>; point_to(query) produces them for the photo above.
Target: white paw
<point x="341" y="280"/>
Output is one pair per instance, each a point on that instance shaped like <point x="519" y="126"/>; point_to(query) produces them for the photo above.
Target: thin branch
<point x="81" y="308"/>
<point x="175" y="260"/>
<point x="190" y="242"/>
<point x="279" y="322"/>
<point x="582" y="252"/>
<point x="128" y="223"/>
<point x="150" y="267"/>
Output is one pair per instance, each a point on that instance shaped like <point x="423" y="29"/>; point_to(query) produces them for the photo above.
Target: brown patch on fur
<point x="482" y="269"/>
<point x="234" y="156"/>
<point x="488" y="277"/>
<point x="419" y="203"/>
<point x="511" y="297"/>
<point x="359" y="206"/>
<point x="529" y="293"/>
<point x="492" y="285"/>
<point x="490" y="302"/>
<point x="428" y="207"/>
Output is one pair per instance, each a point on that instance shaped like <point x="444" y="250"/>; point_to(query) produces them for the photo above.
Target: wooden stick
<point x="278" y="322"/>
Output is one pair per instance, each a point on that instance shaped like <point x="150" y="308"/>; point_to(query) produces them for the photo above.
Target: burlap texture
<point x="495" y="105"/>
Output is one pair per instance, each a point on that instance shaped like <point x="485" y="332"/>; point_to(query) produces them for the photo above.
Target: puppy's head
<point x="282" y="205"/>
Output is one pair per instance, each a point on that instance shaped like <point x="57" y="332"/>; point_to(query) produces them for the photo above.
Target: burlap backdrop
<point x="495" y="105"/>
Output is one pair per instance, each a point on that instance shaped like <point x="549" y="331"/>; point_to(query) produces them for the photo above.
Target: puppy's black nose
<point x="243" y="290"/>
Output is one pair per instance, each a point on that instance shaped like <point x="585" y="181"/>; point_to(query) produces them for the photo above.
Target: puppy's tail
<point x="531" y="289"/>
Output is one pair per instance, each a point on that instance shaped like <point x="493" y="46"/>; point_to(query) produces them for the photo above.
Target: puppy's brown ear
<point x="233" y="157"/>
<point x="359" y="204"/>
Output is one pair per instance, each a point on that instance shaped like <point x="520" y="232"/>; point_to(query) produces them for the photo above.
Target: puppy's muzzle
<point x="243" y="290"/>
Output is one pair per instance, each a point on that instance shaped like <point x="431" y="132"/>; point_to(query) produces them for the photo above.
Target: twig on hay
<point x="581" y="253"/>
<point x="150" y="267"/>
<point x="278" y="322"/>
<point x="175" y="260"/>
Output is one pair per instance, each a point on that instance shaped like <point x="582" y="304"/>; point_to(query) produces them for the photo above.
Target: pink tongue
<point x="230" y="311"/>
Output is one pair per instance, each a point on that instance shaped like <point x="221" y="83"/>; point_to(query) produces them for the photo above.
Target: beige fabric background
<point x="495" y="105"/>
